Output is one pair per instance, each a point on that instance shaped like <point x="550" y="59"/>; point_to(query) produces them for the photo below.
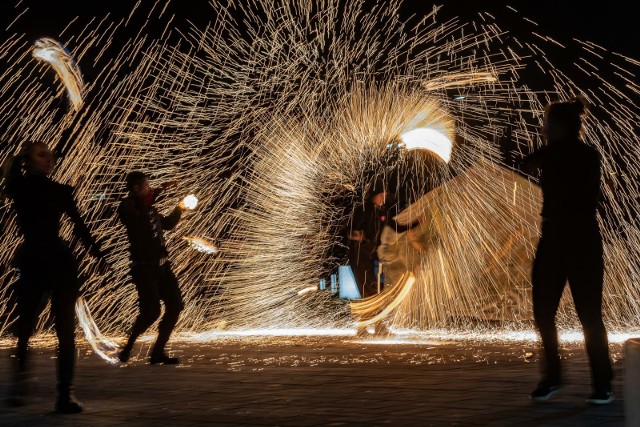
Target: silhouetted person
<point x="364" y="238"/>
<point x="46" y="264"/>
<point x="570" y="247"/>
<point x="150" y="267"/>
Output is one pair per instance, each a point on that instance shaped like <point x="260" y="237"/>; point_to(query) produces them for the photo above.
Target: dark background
<point x="613" y="24"/>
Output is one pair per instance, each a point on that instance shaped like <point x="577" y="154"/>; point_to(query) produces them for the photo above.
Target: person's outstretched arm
<point x="80" y="228"/>
<point x="170" y="221"/>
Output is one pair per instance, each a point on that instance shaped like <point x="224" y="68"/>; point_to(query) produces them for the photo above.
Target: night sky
<point x="614" y="24"/>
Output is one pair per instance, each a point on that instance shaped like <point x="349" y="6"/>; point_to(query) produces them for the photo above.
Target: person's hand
<point x="188" y="203"/>
<point x="356" y="235"/>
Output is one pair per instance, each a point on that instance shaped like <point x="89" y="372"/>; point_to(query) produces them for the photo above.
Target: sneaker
<point x="544" y="391"/>
<point x="123" y="355"/>
<point x="163" y="359"/>
<point x="601" y="397"/>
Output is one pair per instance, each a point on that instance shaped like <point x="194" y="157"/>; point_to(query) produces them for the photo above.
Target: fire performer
<point x="364" y="238"/>
<point x="150" y="267"/>
<point x="45" y="263"/>
<point x="570" y="247"/>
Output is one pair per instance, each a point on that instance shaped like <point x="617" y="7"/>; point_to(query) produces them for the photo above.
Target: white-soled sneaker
<point x="544" y="391"/>
<point x="603" y="397"/>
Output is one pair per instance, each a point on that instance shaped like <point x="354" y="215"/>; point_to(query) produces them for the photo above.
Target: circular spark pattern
<point x="280" y="115"/>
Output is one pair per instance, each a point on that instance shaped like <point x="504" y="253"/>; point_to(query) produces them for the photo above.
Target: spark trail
<point x="54" y="53"/>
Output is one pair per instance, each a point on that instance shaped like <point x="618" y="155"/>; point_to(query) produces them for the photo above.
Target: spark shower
<point x="277" y="115"/>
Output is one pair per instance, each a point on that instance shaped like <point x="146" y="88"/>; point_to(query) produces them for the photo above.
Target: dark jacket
<point x="569" y="173"/>
<point x="145" y="229"/>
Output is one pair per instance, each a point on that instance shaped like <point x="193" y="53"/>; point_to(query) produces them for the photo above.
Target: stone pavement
<point x="324" y="381"/>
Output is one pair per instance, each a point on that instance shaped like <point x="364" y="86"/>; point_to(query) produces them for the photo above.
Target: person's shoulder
<point x="126" y="204"/>
<point x="64" y="189"/>
<point x="590" y="152"/>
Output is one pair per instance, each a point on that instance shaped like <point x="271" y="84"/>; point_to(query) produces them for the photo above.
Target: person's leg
<point x="63" y="299"/>
<point x="586" y="273"/>
<point x="548" y="280"/>
<point x="27" y="305"/>
<point x="371" y="283"/>
<point x="358" y="263"/>
<point x="169" y="290"/>
<point x="145" y="278"/>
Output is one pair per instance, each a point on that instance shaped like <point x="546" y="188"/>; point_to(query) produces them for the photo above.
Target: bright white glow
<point x="190" y="202"/>
<point x="522" y="336"/>
<point x="398" y="336"/>
<point x="428" y="139"/>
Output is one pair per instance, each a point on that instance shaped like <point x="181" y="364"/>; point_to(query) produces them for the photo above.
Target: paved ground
<point x="330" y="381"/>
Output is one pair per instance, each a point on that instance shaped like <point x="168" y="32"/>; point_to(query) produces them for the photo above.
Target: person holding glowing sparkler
<point x="570" y="247"/>
<point x="150" y="268"/>
<point x="45" y="263"/>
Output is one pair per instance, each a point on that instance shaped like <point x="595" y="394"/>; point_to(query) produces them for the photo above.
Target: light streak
<point x="365" y="308"/>
<point x="275" y="332"/>
<point x="459" y="80"/>
<point x="103" y="347"/>
<point x="201" y="245"/>
<point x="52" y="52"/>
<point x="307" y="290"/>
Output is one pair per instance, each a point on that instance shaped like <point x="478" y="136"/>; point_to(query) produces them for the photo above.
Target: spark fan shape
<point x="279" y="115"/>
<point x="54" y="53"/>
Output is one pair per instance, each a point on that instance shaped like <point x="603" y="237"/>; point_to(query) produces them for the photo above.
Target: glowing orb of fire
<point x="190" y="202"/>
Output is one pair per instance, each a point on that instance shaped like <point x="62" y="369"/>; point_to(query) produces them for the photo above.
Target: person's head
<point x="563" y="120"/>
<point x="138" y="184"/>
<point x="38" y="158"/>
<point x="379" y="193"/>
<point x="378" y="199"/>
